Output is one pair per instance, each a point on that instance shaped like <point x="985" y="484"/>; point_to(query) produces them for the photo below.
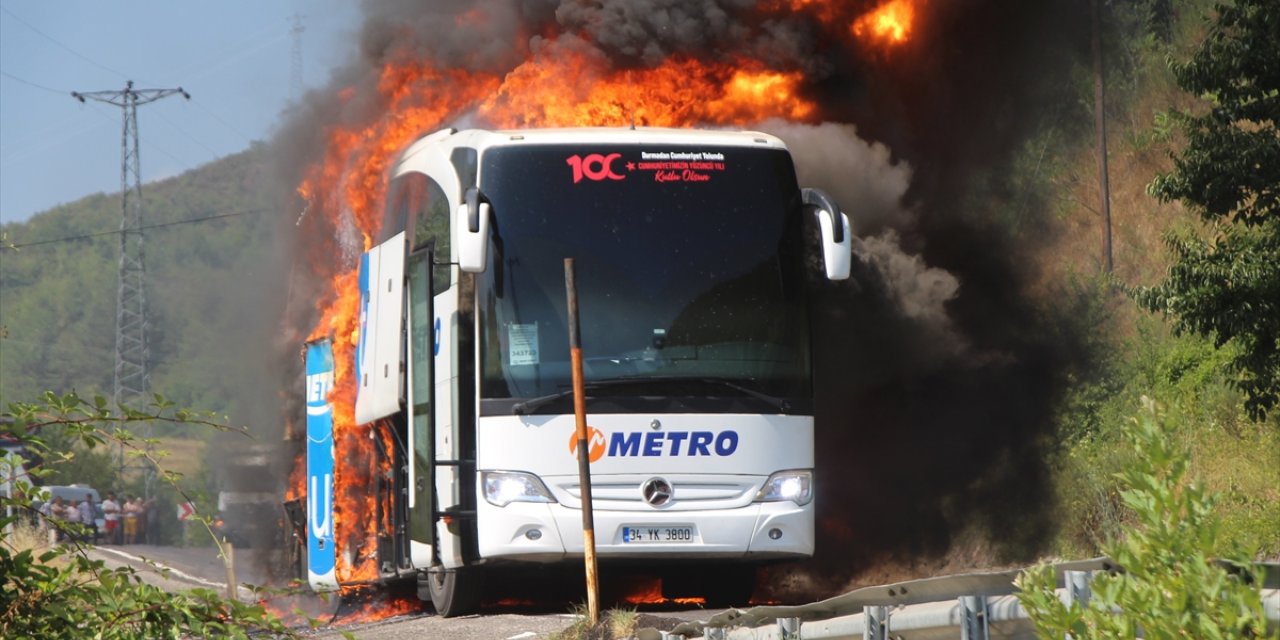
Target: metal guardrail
<point x="975" y="606"/>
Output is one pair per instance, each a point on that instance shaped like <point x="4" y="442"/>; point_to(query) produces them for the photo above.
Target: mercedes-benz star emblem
<point x="657" y="492"/>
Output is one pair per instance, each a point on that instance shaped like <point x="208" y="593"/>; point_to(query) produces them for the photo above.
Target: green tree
<point x="63" y="592"/>
<point x="1168" y="584"/>
<point x="1227" y="285"/>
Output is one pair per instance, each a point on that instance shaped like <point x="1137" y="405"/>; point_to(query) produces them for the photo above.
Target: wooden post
<point x="229" y="559"/>
<point x="584" y="461"/>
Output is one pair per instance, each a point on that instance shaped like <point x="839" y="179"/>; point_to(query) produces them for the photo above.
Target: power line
<point x="224" y="122"/>
<point x="32" y="84"/>
<point x="60" y="44"/>
<point x="190" y="137"/>
<point x="159" y="225"/>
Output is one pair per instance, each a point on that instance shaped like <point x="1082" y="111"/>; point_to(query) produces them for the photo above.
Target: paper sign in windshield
<point x="522" y="344"/>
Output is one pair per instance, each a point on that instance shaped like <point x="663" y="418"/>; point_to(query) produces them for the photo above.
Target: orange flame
<point x="375" y="605"/>
<point x="679" y="92"/>
<point x="890" y="22"/>
<point x="648" y="590"/>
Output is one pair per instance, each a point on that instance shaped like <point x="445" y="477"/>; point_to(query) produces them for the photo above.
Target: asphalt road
<point x="178" y="568"/>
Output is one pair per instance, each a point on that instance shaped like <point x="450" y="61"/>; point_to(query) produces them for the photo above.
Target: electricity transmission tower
<point x="295" y="61"/>
<point x="131" y="376"/>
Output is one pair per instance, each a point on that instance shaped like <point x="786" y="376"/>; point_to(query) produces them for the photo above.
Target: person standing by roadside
<point x="71" y="516"/>
<point x="50" y="513"/>
<point x="132" y="506"/>
<point x="89" y="518"/>
<point x="111" y="514"/>
<point x="144" y="513"/>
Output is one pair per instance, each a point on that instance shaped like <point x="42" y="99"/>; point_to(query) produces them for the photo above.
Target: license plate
<point x="659" y="534"/>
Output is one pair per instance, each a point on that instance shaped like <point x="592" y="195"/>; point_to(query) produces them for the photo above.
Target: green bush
<point x="1233" y="455"/>
<point x="62" y="593"/>
<point x="59" y="591"/>
<point x="1168" y="583"/>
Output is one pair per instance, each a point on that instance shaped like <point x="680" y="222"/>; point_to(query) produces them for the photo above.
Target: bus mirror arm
<point x="472" y="223"/>
<point x="837" y="233"/>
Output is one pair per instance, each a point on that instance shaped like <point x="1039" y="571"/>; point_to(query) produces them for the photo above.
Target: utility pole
<point x="1100" y="127"/>
<point x="295" y="62"/>
<point x="131" y="376"/>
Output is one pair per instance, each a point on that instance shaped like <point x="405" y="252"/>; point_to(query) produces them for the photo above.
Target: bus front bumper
<point x="549" y="532"/>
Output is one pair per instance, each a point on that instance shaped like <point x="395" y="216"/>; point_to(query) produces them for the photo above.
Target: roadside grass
<point x="1236" y="458"/>
<point x="27" y="537"/>
<point x="615" y="624"/>
<point x="185" y="455"/>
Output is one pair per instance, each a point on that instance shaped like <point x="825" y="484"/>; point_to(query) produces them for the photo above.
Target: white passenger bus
<point x="691" y="266"/>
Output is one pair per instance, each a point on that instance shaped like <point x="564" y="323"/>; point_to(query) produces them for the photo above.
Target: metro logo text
<point x="673" y="443"/>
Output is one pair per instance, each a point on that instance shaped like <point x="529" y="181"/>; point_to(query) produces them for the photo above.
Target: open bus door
<point x="423" y="346"/>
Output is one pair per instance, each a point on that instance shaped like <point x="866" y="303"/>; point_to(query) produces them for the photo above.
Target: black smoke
<point x="938" y="372"/>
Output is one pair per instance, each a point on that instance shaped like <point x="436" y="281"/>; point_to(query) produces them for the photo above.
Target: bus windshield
<point x="689" y="271"/>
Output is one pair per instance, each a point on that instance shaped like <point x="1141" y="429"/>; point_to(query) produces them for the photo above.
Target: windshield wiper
<point x="780" y="404"/>
<point x="532" y="404"/>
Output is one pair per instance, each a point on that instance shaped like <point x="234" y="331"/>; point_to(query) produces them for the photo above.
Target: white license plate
<point x="659" y="534"/>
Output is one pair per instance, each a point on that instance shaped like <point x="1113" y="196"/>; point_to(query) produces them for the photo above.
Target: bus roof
<point x="482" y="139"/>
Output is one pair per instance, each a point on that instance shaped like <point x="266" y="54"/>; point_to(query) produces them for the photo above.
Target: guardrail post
<point x="1077" y="584"/>
<point x="789" y="628"/>
<point x="973" y="618"/>
<point x="876" y="620"/>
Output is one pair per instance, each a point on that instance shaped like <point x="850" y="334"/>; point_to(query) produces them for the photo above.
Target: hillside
<point x="214" y="289"/>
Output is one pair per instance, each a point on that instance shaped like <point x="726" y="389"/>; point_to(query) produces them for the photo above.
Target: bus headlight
<point x="501" y="488"/>
<point x="796" y="486"/>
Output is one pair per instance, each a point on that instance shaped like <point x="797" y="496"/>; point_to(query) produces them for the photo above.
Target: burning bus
<point x="693" y="252"/>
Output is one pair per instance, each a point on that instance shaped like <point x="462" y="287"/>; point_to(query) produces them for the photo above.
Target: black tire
<point x="453" y="592"/>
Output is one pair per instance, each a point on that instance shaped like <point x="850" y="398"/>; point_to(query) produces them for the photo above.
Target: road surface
<point x="179" y="568"/>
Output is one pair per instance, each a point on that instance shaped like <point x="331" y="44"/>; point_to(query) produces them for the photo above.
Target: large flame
<point x="679" y="92"/>
<point x="889" y="22"/>
<point x="346" y="186"/>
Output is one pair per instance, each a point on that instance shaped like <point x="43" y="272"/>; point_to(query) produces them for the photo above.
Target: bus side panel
<point x="386" y="380"/>
<point x="380" y="343"/>
<point x="320" y="544"/>
<point x="364" y="413"/>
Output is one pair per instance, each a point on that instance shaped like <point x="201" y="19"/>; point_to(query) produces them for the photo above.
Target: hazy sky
<point x="232" y="56"/>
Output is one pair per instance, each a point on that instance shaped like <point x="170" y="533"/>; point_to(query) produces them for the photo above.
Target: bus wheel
<point x="453" y="592"/>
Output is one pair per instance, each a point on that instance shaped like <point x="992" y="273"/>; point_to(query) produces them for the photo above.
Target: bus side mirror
<point x="837" y="233"/>
<point x="472" y="223"/>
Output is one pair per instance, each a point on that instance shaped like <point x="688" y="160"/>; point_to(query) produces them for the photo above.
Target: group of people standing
<point x="83" y="513"/>
<point x="125" y="520"/>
